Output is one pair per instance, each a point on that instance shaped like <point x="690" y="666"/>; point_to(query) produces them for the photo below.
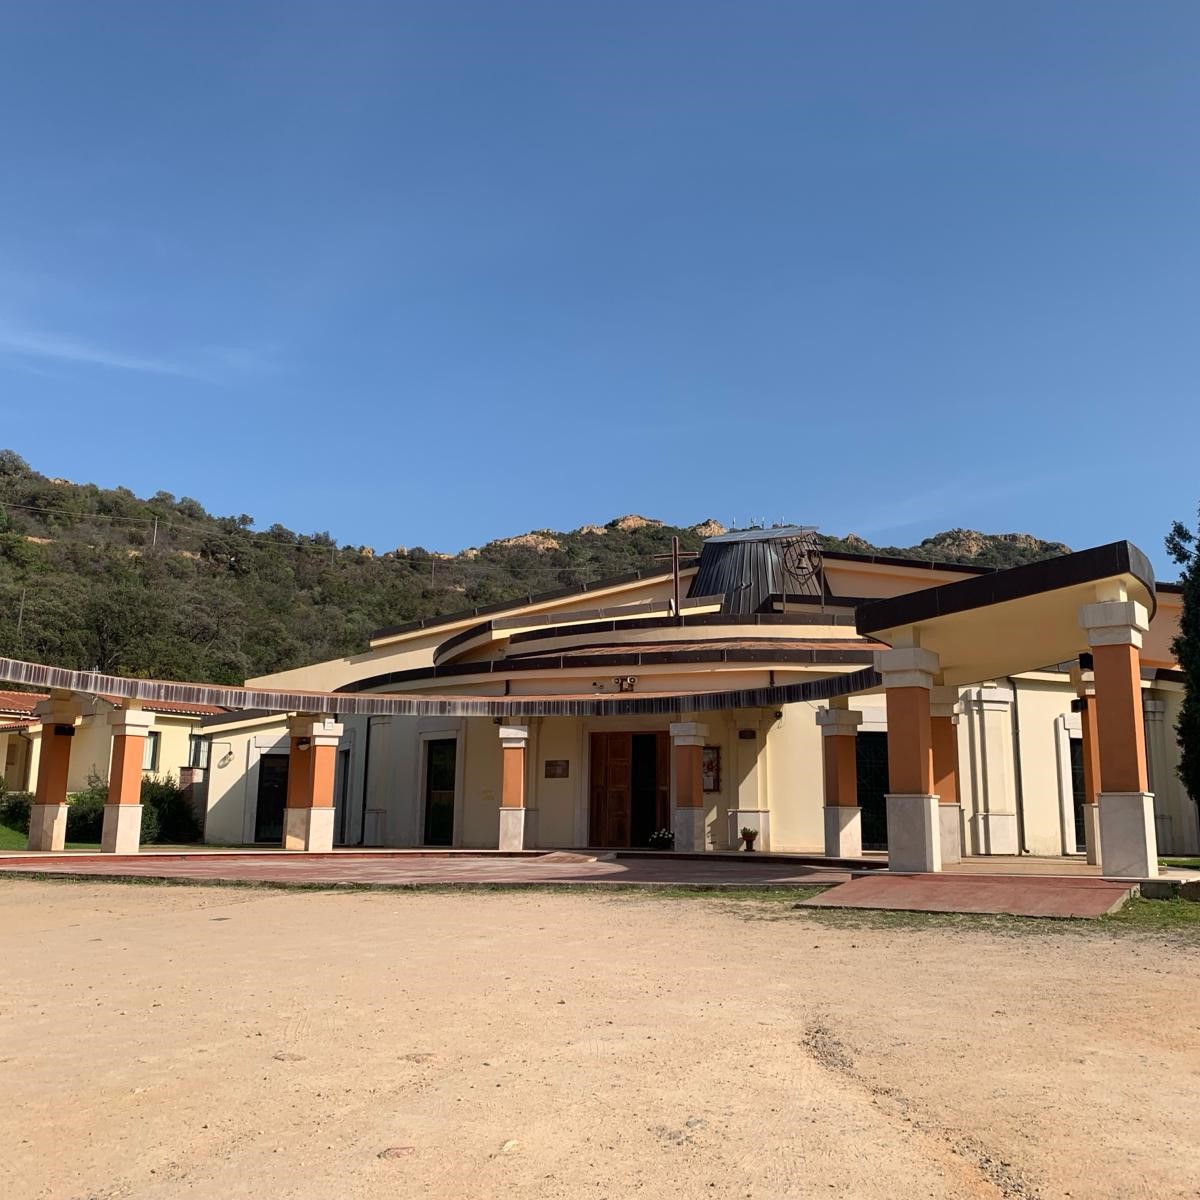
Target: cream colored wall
<point x="1164" y="628"/>
<point x="233" y="777"/>
<point x="91" y="751"/>
<point x="557" y="800"/>
<point x="877" y="579"/>
<point x="795" y="780"/>
<point x="91" y="747"/>
<point x="1039" y="708"/>
<point x="1179" y="833"/>
<point x="14" y="755"/>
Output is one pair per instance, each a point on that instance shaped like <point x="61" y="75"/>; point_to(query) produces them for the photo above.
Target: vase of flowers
<point x="662" y="839"/>
<point x="748" y="836"/>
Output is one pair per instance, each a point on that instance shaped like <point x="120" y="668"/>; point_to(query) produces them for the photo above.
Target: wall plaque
<point x="558" y="768"/>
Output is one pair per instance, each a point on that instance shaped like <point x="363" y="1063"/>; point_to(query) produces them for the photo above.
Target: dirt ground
<point x="159" y="1042"/>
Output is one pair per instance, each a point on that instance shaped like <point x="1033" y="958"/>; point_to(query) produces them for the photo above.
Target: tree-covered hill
<point x="96" y="577"/>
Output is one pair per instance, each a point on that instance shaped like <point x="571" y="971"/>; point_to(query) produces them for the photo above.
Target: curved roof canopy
<point x="1011" y="621"/>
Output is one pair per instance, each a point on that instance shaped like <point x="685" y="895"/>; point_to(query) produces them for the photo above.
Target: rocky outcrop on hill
<point x="538" y="540"/>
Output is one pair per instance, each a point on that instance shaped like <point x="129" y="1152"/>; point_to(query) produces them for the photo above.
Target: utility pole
<point x="20" y="615"/>
<point x="154" y="535"/>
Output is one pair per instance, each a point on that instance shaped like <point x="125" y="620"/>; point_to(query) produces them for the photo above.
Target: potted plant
<point x="662" y="839"/>
<point x="748" y="836"/>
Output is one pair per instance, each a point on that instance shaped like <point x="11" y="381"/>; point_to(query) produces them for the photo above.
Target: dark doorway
<point x="872" y="763"/>
<point x="643" y="820"/>
<point x="630" y="788"/>
<point x="341" y="795"/>
<point x="440" y="761"/>
<point x="1078" y="792"/>
<point x="272" y="797"/>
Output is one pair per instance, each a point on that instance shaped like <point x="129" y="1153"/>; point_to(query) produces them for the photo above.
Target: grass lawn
<point x="16" y="839"/>
<point x="1192" y="863"/>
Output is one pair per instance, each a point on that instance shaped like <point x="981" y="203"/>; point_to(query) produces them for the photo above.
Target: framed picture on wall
<point x="710" y="768"/>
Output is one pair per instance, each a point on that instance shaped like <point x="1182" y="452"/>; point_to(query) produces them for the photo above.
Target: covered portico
<point x="1097" y="603"/>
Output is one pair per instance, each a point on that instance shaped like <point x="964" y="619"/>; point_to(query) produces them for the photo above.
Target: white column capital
<point x="1114" y="622"/>
<point x="907" y="666"/>
<point x="943" y="701"/>
<point x="688" y="733"/>
<point x="56" y="711"/>
<point x="320" y="731"/>
<point x="1154" y="710"/>
<point x="839" y="722"/>
<point x="130" y="722"/>
<point x="514" y="737"/>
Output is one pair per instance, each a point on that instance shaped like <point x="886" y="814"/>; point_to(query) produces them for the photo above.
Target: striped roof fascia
<point x="502" y="668"/>
<point x="93" y="683"/>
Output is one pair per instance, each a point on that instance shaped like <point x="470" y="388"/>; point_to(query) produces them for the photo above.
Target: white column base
<point x="122" y="829"/>
<point x="1091" y="833"/>
<point x="512" y="829"/>
<point x="1128" y="848"/>
<point x="843" y="832"/>
<point x="689" y="829"/>
<point x="47" y="827"/>
<point x="914" y="834"/>
<point x="308" y="829"/>
<point x="950" y="827"/>
<point x="996" y="833"/>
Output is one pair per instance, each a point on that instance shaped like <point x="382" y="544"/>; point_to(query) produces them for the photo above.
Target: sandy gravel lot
<point x="159" y="1042"/>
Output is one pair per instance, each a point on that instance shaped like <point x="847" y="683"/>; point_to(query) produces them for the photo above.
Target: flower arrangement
<point x="748" y="836"/>
<point x="662" y="839"/>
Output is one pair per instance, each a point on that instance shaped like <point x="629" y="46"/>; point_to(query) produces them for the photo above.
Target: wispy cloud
<point x="34" y="344"/>
<point x="25" y="347"/>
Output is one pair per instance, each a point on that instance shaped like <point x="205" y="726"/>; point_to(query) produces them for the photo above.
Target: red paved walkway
<point x="1018" y="895"/>
<point x="417" y="868"/>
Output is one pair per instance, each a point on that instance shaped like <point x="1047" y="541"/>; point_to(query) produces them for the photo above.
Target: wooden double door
<point x="630" y="788"/>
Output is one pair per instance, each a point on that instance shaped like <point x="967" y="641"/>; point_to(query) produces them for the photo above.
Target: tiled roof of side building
<point x="20" y="703"/>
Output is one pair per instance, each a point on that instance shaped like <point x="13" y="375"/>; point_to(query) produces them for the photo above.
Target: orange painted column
<point x="513" y="768"/>
<point x="943" y="735"/>
<point x="910" y="742"/>
<point x="842" y="815"/>
<point x="1128" y="841"/>
<point x="308" y="817"/>
<point x="689" y="763"/>
<point x="944" y="740"/>
<point x="48" y="813"/>
<point x="122" y="830"/>
<point x="687" y="740"/>
<point x="1119" y="719"/>
<point x="914" y="822"/>
<point x="1091" y="749"/>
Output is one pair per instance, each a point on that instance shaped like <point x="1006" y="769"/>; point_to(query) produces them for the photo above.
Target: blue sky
<point x="434" y="273"/>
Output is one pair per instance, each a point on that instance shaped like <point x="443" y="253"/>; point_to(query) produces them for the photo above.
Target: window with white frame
<point x="150" y="751"/>
<point x="198" y="748"/>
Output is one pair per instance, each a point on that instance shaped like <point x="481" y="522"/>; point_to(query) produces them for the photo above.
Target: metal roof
<point x="748" y="568"/>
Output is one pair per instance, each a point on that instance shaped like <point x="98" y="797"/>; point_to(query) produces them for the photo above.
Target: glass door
<point x="272" y="796"/>
<point x="440" y="760"/>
